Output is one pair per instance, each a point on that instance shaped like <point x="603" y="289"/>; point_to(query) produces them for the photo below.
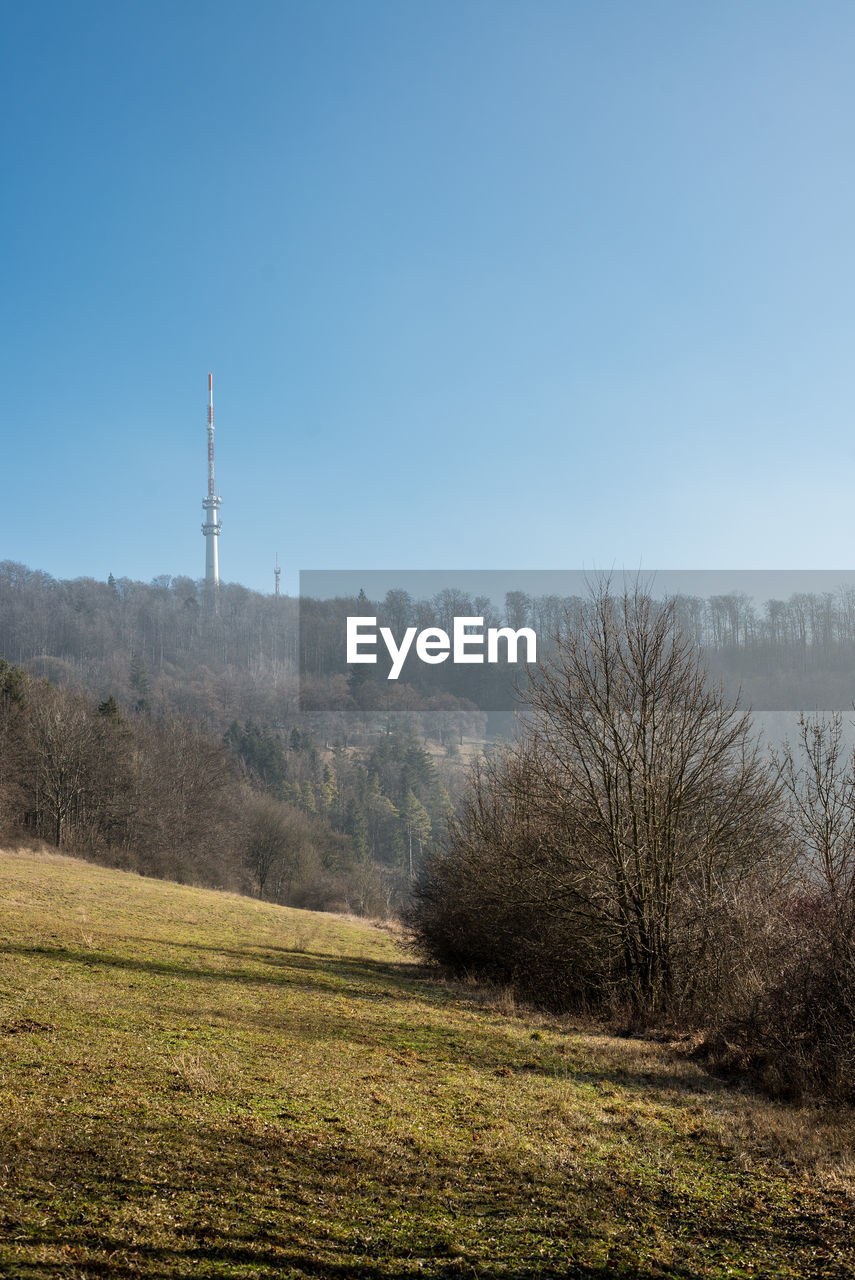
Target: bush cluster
<point x="638" y="853"/>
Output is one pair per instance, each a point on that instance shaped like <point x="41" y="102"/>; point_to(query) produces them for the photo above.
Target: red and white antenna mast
<point x="211" y="504"/>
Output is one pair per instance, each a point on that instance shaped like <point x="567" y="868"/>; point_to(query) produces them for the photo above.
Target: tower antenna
<point x="276" y="573"/>
<point x="211" y="504"/>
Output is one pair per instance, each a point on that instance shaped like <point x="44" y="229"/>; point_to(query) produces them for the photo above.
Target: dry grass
<point x="195" y="1084"/>
<point x="813" y="1139"/>
<point x="193" y="1072"/>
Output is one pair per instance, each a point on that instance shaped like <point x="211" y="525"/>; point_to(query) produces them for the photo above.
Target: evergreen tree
<point x="329" y="788"/>
<point x="12" y="682"/>
<point x="356" y="826"/>
<point x="416" y="824"/>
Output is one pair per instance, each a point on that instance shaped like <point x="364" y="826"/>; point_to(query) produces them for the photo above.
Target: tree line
<point x="163" y="644"/>
<point x="169" y="646"/>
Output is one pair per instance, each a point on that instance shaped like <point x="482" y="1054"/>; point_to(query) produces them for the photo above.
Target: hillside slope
<point x="196" y="1084"/>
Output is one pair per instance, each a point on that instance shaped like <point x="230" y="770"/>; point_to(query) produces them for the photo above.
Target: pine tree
<point x="416" y="824"/>
<point x="356" y="826"/>
<point x="329" y="788"/>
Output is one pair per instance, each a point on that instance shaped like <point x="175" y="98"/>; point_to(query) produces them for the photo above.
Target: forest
<point x="285" y="819"/>
<point x="160" y="644"/>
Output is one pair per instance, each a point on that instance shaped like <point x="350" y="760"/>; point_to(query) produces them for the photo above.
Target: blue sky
<point x="482" y="284"/>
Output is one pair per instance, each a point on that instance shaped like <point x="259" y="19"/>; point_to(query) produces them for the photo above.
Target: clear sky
<point x="482" y="284"/>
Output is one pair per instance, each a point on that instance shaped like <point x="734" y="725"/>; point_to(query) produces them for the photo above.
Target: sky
<point x="482" y="283"/>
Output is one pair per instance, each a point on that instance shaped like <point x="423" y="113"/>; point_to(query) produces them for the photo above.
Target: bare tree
<point x="819" y="777"/>
<point x="267" y="841"/>
<point x="623" y="823"/>
<point x="651" y="774"/>
<point x="58" y="757"/>
<point x="799" y="1032"/>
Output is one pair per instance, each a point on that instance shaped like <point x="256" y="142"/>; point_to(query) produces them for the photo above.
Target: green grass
<point x="195" y="1084"/>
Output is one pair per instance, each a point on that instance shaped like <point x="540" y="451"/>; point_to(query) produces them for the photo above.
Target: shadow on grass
<point x="381" y="1220"/>
<point x="294" y="1266"/>
<point x="524" y="1219"/>
<point x="326" y="972"/>
<point x="385" y="985"/>
<point x="247" y="1197"/>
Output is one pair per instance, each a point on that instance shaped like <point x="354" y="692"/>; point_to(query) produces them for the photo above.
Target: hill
<point x="198" y="1084"/>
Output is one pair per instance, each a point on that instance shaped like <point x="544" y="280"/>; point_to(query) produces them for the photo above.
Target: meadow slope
<point x="197" y="1084"/>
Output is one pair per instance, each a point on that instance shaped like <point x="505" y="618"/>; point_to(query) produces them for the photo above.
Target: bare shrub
<point x="798" y="1036"/>
<point x="599" y="862"/>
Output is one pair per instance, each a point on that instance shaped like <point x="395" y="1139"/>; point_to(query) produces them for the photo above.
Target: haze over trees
<point x="161" y="647"/>
<point x="159" y="643"/>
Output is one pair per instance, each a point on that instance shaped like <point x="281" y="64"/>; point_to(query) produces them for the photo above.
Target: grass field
<point x="195" y="1084"/>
